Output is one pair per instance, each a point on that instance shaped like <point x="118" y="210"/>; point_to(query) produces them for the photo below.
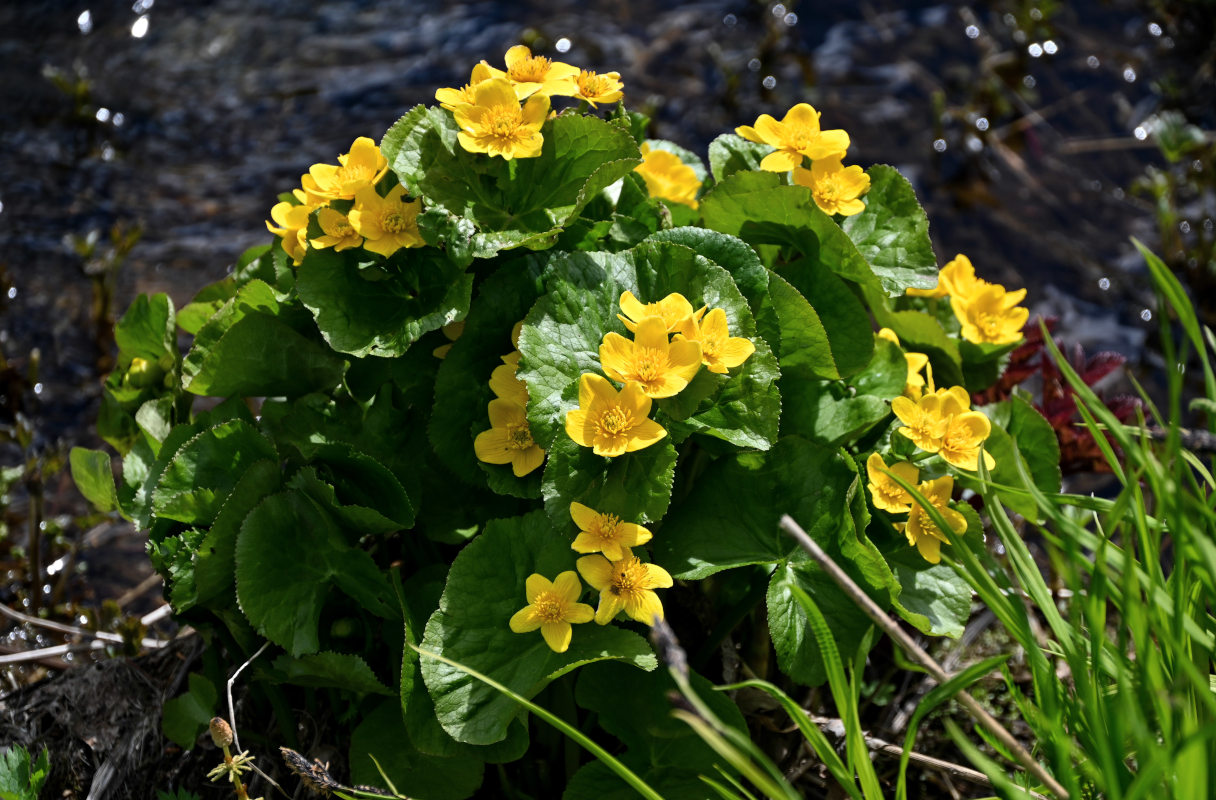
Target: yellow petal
<point x="535" y="111"/>
<point x="535" y="585"/>
<point x="524" y="621"/>
<point x="651" y="332"/>
<point x="735" y="351"/>
<point x="749" y="133"/>
<point x="494" y="447"/>
<point x="527" y="460"/>
<point x="632" y="535"/>
<point x="517" y="54"/>
<point x="580" y="613"/>
<point x="769" y="130"/>
<point x="610" y="605"/>
<point x="633" y="398"/>
<point x="616" y="356"/>
<point x="506" y="412"/>
<point x="646" y="608"/>
<point x="780" y="161"/>
<point x="930" y="549"/>
<point x="578" y="427"/>
<point x="596" y="571"/>
<point x="583" y="516"/>
<point x="657" y="577"/>
<point x="557" y="635"/>
<point x="644" y="435"/>
<point x="567" y="586"/>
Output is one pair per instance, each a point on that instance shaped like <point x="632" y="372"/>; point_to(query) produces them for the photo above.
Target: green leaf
<point x="382" y="736"/>
<point x="485" y="588"/>
<point x="663" y="750"/>
<point x="525" y="203"/>
<point x="805" y="350"/>
<point x="186" y="717"/>
<point x="844" y="318"/>
<point x="887" y="373"/>
<point x="246" y="349"/>
<point x="933" y="597"/>
<point x="731" y="253"/>
<point x="892" y="234"/>
<point x="94" y="477"/>
<point x="730" y="153"/>
<point x="747" y="495"/>
<point x="758" y="208"/>
<point x="147" y="330"/>
<point x="462" y="386"/>
<point x="827" y="413"/>
<point x="209" y="300"/>
<point x="215" y="561"/>
<point x="362" y="482"/>
<point x="289" y="556"/>
<point x="206" y="468"/>
<point x="636" y="486"/>
<point x="329" y="670"/>
<point x="22" y="777"/>
<point x="422" y="291"/>
<point x="798" y="652"/>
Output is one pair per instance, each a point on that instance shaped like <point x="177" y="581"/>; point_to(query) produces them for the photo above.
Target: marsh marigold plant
<point x="516" y="354"/>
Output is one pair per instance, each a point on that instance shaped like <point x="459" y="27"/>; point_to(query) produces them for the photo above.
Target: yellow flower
<point x="667" y="177"/>
<point x="920" y="529"/>
<point x="451" y="98"/>
<point x="496" y="124"/>
<point x="530" y="74"/>
<point x="504" y="384"/>
<point x="914" y="383"/>
<point x="991" y="315"/>
<point x="719" y="350"/>
<point x="674" y="309"/>
<point x="612" y="424"/>
<point x="363" y="166"/>
<point x="834" y="186"/>
<point x="625" y="584"/>
<point x="552" y="607"/>
<point x="389" y="223"/>
<point x="924" y="420"/>
<point x="662" y="368"/>
<point x="598" y="87"/>
<point x="452" y="331"/>
<point x="605" y="533"/>
<point x="956" y="279"/>
<point x="339" y="233"/>
<point x="292" y="226"/>
<point x="795" y="136"/>
<point x="961" y="442"/>
<point x="887" y="494"/>
<point x="509" y="440"/>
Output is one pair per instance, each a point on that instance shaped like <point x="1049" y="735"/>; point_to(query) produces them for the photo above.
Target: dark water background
<point x="1020" y="124"/>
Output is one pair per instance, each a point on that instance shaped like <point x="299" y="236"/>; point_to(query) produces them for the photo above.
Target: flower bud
<point x="221" y="734"/>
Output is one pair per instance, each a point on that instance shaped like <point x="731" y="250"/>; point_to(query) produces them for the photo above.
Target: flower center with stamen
<point x="503" y="121"/>
<point x="614" y="421"/>
<point x="354" y="173"/>
<point x="520" y="436"/>
<point x="826" y="191"/>
<point x="922" y="516"/>
<point x="629" y="578"/>
<point x="530" y="70"/>
<point x="548" y="607"/>
<point x="591" y="85"/>
<point x="891" y="493"/>
<point x="607" y="527"/>
<point x="649" y="364"/>
<point x="392" y="222"/>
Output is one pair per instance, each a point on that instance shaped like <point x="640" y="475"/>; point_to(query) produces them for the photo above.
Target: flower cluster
<point x="500" y="112"/>
<point x="509" y="439"/>
<point x="941" y="421"/>
<point x="349" y="209"/>
<point x="650" y="366"/>
<point x="624" y="581"/>
<point x="987" y="312"/>
<point x="922" y="532"/>
<point x="798" y="137"/>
